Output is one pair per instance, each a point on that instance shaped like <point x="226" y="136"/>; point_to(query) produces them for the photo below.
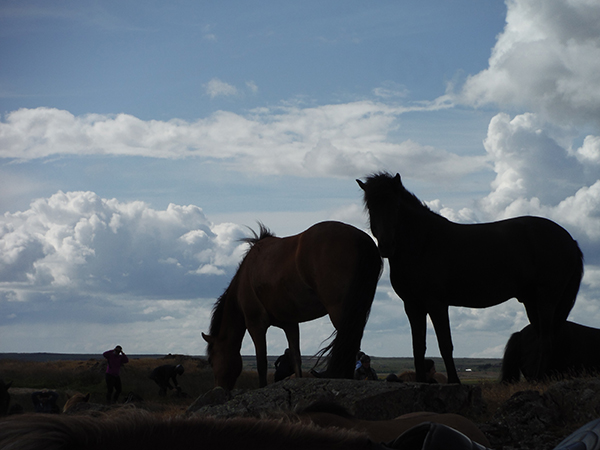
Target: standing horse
<point x="331" y="268"/>
<point x="575" y="353"/>
<point x="435" y="263"/>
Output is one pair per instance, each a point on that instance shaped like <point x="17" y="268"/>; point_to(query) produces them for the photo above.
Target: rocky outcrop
<point x="529" y="420"/>
<point x="533" y="420"/>
<point x="369" y="400"/>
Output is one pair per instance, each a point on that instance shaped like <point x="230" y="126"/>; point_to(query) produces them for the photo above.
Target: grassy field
<point x="69" y="376"/>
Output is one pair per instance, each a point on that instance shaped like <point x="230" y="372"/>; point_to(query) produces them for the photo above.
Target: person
<point x="116" y="358"/>
<point x="284" y="366"/>
<point x="358" y="356"/>
<point x="365" y="371"/>
<point x="45" y="401"/>
<point x="163" y="374"/>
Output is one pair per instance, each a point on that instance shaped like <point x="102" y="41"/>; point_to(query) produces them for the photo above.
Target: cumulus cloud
<point x="78" y="245"/>
<point x="546" y="60"/>
<point x="332" y="140"/>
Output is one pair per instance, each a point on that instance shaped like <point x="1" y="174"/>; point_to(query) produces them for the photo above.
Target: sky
<point x="140" y="140"/>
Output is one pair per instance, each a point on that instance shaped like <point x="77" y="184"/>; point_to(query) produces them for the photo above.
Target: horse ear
<point x="208" y="338"/>
<point x="361" y="184"/>
<point x="397" y="179"/>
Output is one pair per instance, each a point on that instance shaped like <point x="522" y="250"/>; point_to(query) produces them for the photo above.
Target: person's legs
<point x="117" y="389"/>
<point x="110" y="385"/>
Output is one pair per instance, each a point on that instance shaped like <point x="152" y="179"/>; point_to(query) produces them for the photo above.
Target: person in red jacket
<point x="116" y="358"/>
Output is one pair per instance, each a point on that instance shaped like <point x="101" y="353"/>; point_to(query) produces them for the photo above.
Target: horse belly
<point x="455" y="286"/>
<point x="287" y="303"/>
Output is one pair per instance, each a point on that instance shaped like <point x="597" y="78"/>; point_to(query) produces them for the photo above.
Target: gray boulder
<point x="369" y="400"/>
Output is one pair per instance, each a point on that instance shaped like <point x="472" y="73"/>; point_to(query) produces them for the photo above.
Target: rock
<point x="530" y="420"/>
<point x="576" y="400"/>
<point x="369" y="400"/>
<point x="214" y="397"/>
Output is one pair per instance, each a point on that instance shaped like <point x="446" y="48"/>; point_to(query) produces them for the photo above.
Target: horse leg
<point x="546" y="323"/>
<point x="292" y="332"/>
<point x="259" y="337"/>
<point x="441" y="324"/>
<point x="418" y="327"/>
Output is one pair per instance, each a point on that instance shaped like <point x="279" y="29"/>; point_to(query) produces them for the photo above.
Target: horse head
<point x="381" y="194"/>
<point x="225" y="362"/>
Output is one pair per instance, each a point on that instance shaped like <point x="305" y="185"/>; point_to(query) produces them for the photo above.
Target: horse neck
<point x="417" y="218"/>
<point x="233" y="325"/>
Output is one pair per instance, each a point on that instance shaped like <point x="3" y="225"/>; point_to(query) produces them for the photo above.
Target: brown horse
<point x="331" y="268"/>
<point x="326" y="414"/>
<point x="435" y="263"/>
<point x="136" y="429"/>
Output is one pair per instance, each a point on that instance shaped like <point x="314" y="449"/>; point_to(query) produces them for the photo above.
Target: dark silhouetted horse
<point x="576" y="352"/>
<point x="435" y="263"/>
<point x="331" y="268"/>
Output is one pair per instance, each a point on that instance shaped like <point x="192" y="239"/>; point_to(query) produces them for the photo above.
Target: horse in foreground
<point x="327" y="414"/>
<point x="435" y="263"/>
<point x="331" y="268"/>
<point x="576" y="353"/>
<point x="136" y="429"/>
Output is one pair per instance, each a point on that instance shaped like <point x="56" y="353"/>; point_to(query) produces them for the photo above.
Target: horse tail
<point x="511" y="362"/>
<point x="356" y="310"/>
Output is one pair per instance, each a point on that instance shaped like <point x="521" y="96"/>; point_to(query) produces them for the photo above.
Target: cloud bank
<point x="332" y="140"/>
<point x="547" y="60"/>
<point x="77" y="249"/>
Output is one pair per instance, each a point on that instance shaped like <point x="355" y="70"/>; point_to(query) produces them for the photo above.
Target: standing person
<point x="116" y="358"/>
<point x="162" y="374"/>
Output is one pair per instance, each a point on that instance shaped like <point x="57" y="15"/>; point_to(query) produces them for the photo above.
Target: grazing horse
<point x="576" y="353"/>
<point x="435" y="263"/>
<point x="331" y="268"/>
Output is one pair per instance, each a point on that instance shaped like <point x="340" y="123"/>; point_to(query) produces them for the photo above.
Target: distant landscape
<point x="469" y="368"/>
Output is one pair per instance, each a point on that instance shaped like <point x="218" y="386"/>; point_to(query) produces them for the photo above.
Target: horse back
<point x="296" y="278"/>
<point x="481" y="265"/>
<point x="330" y="253"/>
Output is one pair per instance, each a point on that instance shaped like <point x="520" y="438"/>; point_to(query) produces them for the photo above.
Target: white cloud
<point x="546" y="60"/>
<point x="251" y="85"/>
<point x="332" y="140"/>
<point x="216" y="88"/>
<point x="390" y="89"/>
<point x="77" y="241"/>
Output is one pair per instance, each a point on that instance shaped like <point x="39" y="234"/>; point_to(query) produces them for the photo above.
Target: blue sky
<point x="138" y="140"/>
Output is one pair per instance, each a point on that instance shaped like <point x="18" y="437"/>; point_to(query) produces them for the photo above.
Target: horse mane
<point x="384" y="185"/>
<point x="219" y="308"/>
<point x="136" y="428"/>
<point x="264" y="232"/>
